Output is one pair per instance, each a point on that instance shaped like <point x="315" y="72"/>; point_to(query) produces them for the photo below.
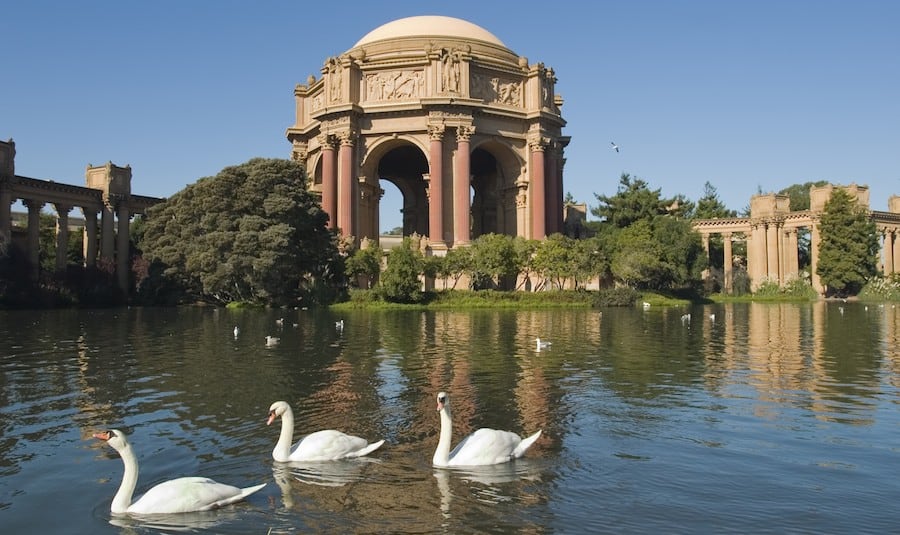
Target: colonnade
<point x="108" y="194"/>
<point x="772" y="236"/>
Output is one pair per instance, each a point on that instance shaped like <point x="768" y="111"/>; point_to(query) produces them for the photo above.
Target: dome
<point x="429" y="26"/>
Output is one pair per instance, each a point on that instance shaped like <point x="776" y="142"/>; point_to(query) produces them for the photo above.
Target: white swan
<point x="542" y="344"/>
<point x="272" y="341"/>
<point x="483" y="447"/>
<point x="327" y="445"/>
<point x="182" y="495"/>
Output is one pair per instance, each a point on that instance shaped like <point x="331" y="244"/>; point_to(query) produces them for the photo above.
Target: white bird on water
<point x="339" y="325"/>
<point x="614" y="146"/>
<point x="272" y="341"/>
<point x="236" y="331"/>
<point x="542" y="344"/>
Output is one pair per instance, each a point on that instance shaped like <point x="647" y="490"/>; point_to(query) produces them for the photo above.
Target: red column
<point x="346" y="176"/>
<point x="461" y="206"/>
<point x="554" y="197"/>
<point x="538" y="192"/>
<point x="329" y="181"/>
<point x="436" y="185"/>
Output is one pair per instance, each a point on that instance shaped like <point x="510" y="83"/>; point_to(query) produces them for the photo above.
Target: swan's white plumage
<point x="182" y="495"/>
<point x="483" y="447"/>
<point x="327" y="445"/>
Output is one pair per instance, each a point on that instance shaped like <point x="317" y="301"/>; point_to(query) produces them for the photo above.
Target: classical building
<point x="108" y="193"/>
<point x="468" y="131"/>
<point x="771" y="233"/>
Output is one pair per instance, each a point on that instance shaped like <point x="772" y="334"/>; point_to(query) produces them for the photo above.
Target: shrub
<point x="617" y="297"/>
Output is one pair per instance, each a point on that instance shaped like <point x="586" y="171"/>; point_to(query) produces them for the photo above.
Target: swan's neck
<point x="282" y="451"/>
<point x="442" y="453"/>
<point x="122" y="499"/>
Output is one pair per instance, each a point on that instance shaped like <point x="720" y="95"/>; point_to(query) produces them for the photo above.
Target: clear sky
<point x="749" y="95"/>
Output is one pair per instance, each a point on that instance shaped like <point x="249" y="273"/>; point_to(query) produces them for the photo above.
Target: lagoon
<point x="744" y="417"/>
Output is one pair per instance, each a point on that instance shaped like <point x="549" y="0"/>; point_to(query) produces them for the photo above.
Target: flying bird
<point x="614" y="146"/>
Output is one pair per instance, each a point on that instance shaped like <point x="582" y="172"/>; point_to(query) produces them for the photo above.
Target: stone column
<point x="62" y="235"/>
<point x="704" y="240"/>
<point x="89" y="244"/>
<point x="5" y="213"/>
<point x="329" y="180"/>
<point x="772" y="260"/>
<point x="792" y="258"/>
<point x="756" y="254"/>
<point x="728" y="262"/>
<point x="814" y="240"/>
<point x="461" y="184"/>
<point x="346" y="182"/>
<point x="538" y="191"/>
<point x="896" y="255"/>
<point x="436" y="186"/>
<point x="34" y="235"/>
<point x="123" y="253"/>
<point x="107" y="232"/>
<point x="888" y="252"/>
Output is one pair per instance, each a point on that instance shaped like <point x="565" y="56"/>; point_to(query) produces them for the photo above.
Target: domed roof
<point x="428" y="26"/>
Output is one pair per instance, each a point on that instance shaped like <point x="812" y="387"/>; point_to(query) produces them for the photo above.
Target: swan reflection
<point x="323" y="473"/>
<point x="180" y="522"/>
<point x="491" y="476"/>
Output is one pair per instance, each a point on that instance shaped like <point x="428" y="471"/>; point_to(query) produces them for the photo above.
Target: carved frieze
<point x="395" y="85"/>
<point x="317" y="101"/>
<point x="497" y="89"/>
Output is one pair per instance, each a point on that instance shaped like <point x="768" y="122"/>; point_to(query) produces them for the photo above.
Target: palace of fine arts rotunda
<point x="468" y="131"/>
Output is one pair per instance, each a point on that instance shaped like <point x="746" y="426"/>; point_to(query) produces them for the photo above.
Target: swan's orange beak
<point x="440" y="406"/>
<point x="271" y="418"/>
<point x="105" y="435"/>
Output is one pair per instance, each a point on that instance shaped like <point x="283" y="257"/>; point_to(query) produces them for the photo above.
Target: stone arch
<point x="402" y="161"/>
<point x="496" y="170"/>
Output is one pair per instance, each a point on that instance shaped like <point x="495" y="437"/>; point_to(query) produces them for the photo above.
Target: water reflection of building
<point x="823" y="357"/>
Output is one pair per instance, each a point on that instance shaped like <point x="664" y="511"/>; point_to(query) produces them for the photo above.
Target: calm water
<point x="763" y="419"/>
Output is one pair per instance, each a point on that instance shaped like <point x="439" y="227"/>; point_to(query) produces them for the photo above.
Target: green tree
<point x="635" y="201"/>
<point x="364" y="266"/>
<point x="251" y="233"/>
<point x="456" y="263"/>
<point x="495" y="260"/>
<point x="709" y="206"/>
<point x="400" y="280"/>
<point x="799" y="194"/>
<point x="555" y="260"/>
<point x="849" y="246"/>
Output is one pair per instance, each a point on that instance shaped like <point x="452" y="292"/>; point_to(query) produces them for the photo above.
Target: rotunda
<point x="468" y="131"/>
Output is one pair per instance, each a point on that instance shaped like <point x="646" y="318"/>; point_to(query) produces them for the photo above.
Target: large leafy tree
<point x="799" y="194"/>
<point x="849" y="245"/>
<point x="251" y="233"/>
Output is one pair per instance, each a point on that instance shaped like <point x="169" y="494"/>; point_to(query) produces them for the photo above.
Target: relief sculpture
<point x="395" y="85"/>
<point x="496" y="89"/>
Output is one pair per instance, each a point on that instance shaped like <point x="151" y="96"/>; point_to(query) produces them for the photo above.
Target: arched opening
<point x="390" y="209"/>
<point x="404" y="167"/>
<point x="493" y="191"/>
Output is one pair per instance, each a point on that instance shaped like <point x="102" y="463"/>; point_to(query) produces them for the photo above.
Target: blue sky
<point x="748" y="95"/>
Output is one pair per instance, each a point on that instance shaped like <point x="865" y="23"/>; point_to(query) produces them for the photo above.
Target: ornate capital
<point x="325" y="140"/>
<point x="436" y="132"/>
<point x="346" y="137"/>
<point x="537" y="142"/>
<point x="62" y="208"/>
<point x="464" y="132"/>
<point x="299" y="152"/>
